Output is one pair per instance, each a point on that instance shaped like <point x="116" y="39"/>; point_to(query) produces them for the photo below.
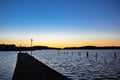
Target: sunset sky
<point x="60" y="23"/>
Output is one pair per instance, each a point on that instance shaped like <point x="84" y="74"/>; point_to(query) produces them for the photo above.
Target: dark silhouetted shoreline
<point x="94" y="47"/>
<point x="13" y="47"/>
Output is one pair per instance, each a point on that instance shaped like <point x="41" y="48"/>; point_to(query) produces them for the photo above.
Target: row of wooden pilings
<point x="87" y="54"/>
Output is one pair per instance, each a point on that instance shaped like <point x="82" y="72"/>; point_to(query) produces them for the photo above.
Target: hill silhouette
<point x="13" y="47"/>
<point x="94" y="47"/>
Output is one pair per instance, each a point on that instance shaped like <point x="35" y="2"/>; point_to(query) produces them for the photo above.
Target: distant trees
<point x="6" y="47"/>
<point x="94" y="47"/>
<point x="13" y="47"/>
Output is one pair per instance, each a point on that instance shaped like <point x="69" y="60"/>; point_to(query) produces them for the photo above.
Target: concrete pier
<point x="29" y="68"/>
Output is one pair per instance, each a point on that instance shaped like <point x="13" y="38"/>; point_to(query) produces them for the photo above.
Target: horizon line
<point x="65" y="47"/>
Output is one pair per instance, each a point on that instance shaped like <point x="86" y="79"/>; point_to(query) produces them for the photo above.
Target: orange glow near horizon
<point x="61" y="40"/>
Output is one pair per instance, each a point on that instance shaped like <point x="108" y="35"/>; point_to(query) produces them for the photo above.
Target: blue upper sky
<point x="60" y="16"/>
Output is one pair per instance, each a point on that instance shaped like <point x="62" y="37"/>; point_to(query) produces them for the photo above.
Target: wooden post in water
<point x="64" y="52"/>
<point x="58" y="52"/>
<point x="72" y="53"/>
<point x="67" y="52"/>
<point x="79" y="53"/>
<point x="115" y="55"/>
<point x="96" y="55"/>
<point x="87" y="54"/>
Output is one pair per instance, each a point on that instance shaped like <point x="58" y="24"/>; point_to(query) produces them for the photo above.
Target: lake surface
<point x="7" y="64"/>
<point x="75" y="64"/>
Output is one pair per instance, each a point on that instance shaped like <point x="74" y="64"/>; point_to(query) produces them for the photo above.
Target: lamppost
<point x="31" y="46"/>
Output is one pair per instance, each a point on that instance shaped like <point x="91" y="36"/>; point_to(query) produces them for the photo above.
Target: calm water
<point x="7" y="64"/>
<point x="75" y="64"/>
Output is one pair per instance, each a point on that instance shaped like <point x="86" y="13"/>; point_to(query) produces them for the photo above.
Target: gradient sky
<point x="60" y="23"/>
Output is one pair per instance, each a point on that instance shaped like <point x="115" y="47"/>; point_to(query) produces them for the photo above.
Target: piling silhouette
<point x="115" y="56"/>
<point x="64" y="52"/>
<point x="87" y="54"/>
<point x="58" y="52"/>
<point x="96" y="55"/>
<point x="72" y="53"/>
<point x="79" y="53"/>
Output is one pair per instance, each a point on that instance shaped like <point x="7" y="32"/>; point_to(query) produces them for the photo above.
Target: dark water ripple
<point x="69" y="63"/>
<point x="7" y="65"/>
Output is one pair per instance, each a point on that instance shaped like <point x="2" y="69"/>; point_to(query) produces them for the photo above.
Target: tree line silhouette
<point x="13" y="47"/>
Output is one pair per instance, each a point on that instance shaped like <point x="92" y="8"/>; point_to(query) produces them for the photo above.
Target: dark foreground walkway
<point x="28" y="68"/>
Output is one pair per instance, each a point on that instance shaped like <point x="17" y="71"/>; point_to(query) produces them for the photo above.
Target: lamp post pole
<point x="31" y="46"/>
